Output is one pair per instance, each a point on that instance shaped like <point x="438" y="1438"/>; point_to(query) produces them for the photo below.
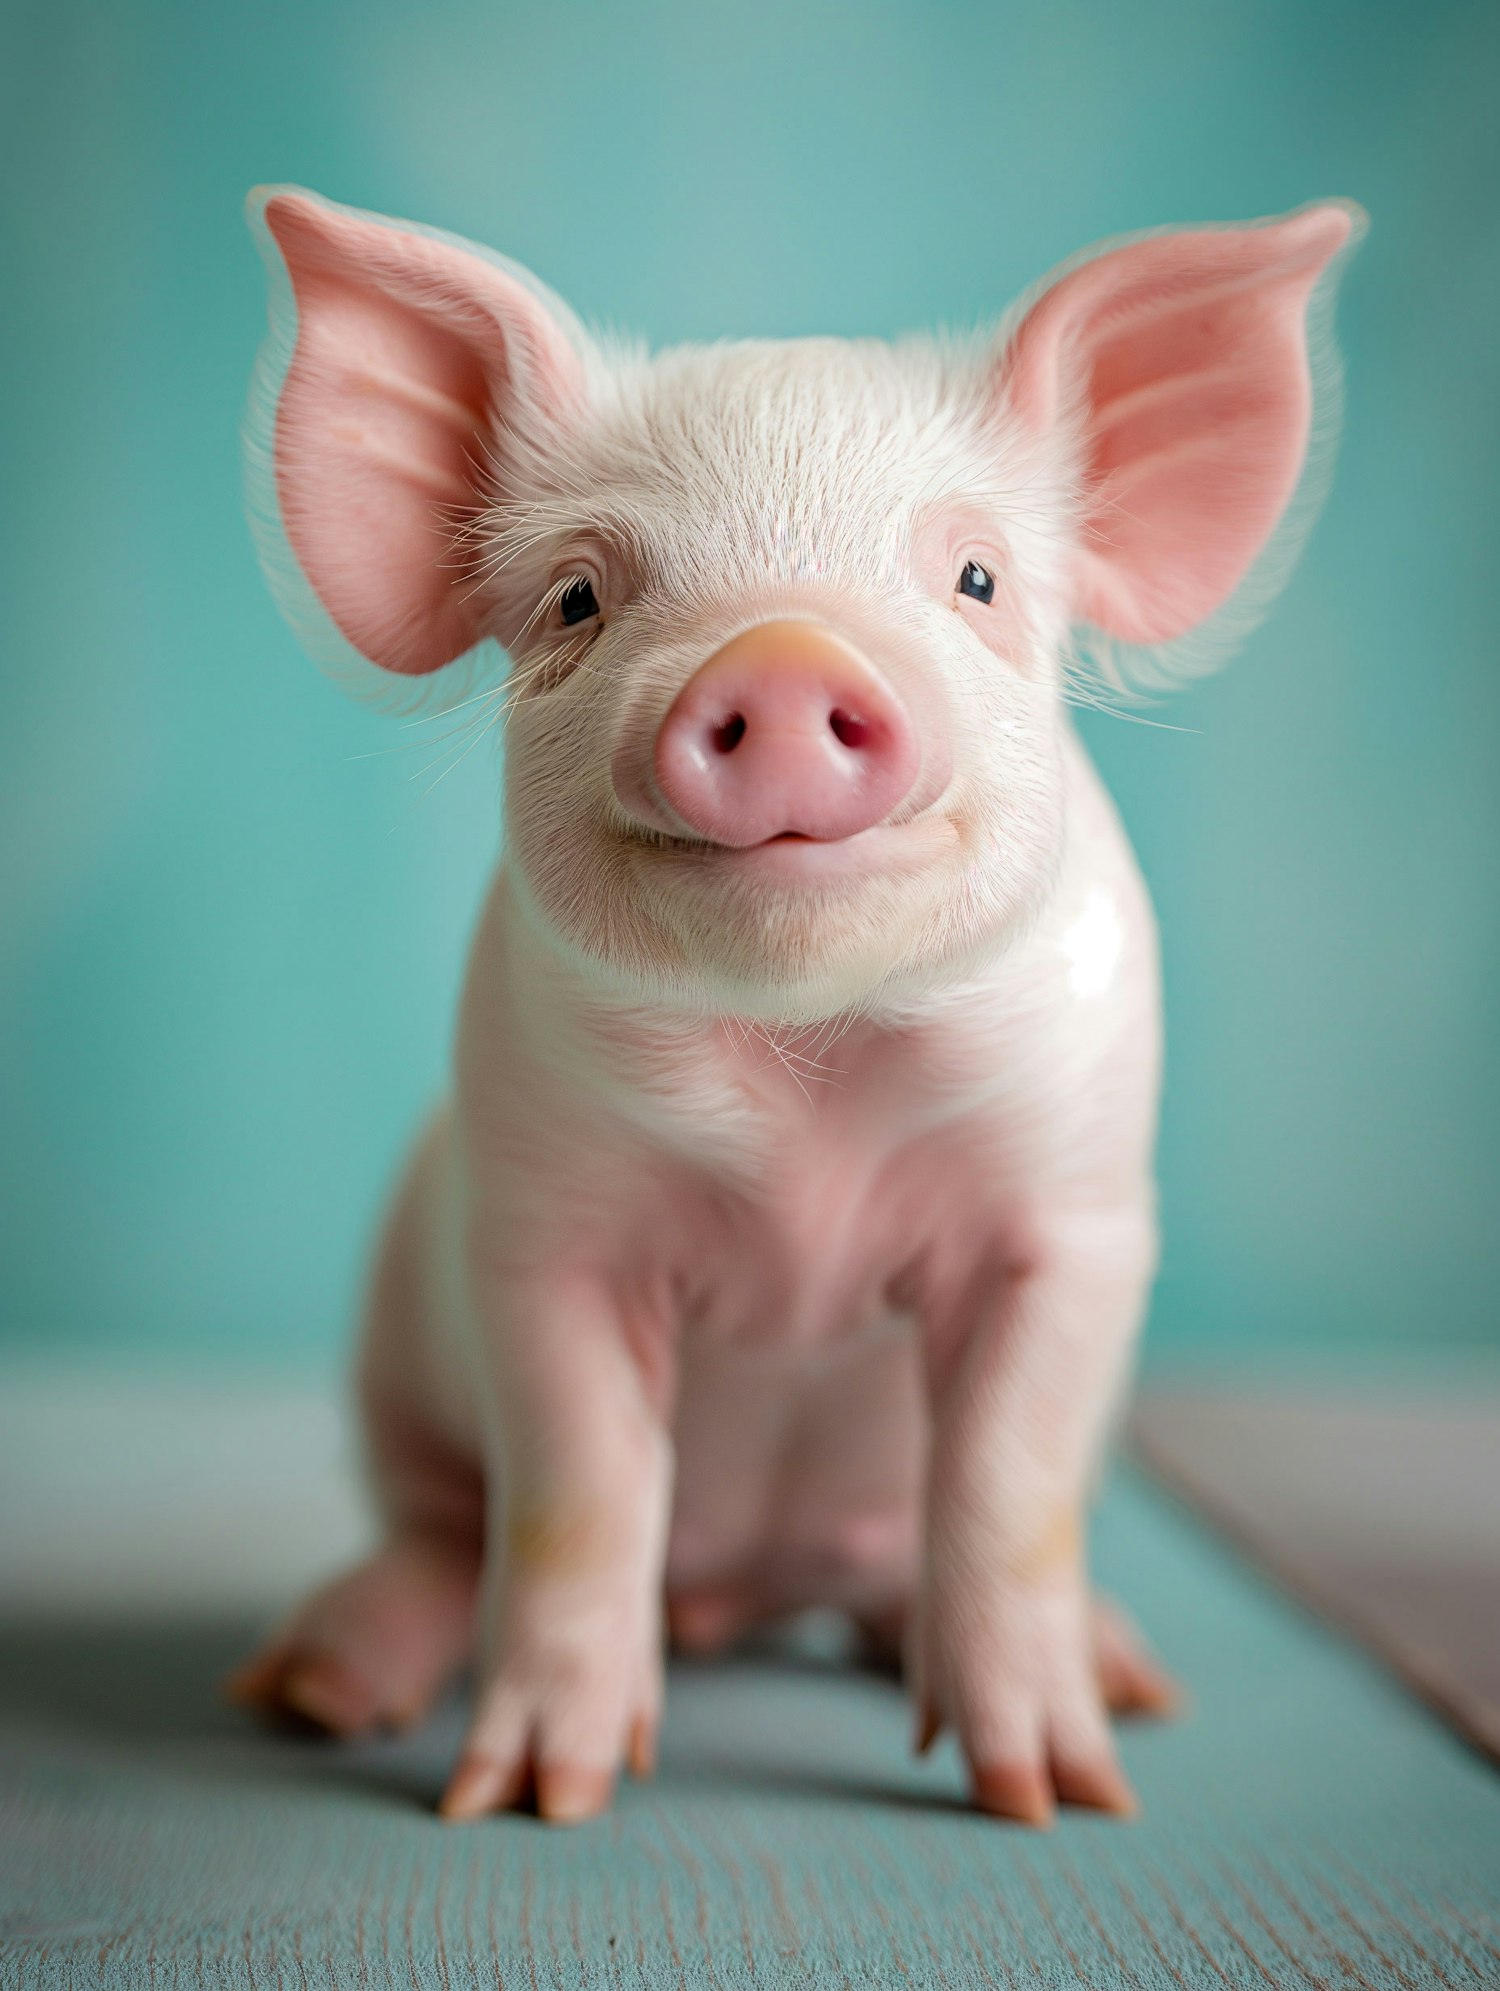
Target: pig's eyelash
<point x="566" y="650"/>
<point x="549" y="601"/>
<point x="488" y="538"/>
<point x="510" y="532"/>
<point x="472" y="544"/>
<point x="557" y="594"/>
<point x="566" y="657"/>
<point x="486" y="571"/>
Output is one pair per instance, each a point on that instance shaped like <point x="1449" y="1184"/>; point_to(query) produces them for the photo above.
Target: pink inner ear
<point x="1188" y="354"/>
<point x="405" y="348"/>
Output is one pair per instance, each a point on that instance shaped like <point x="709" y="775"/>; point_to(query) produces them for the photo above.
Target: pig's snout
<point x="786" y="731"/>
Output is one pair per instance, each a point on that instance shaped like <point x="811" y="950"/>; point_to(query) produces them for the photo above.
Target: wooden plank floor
<point x="1308" y="1825"/>
<point x="1381" y="1511"/>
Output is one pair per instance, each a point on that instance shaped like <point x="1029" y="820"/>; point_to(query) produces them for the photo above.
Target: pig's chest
<point x="836" y="1232"/>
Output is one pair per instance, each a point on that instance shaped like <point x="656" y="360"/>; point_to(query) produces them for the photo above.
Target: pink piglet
<point x="788" y="1230"/>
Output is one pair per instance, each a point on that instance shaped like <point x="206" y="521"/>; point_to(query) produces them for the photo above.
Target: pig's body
<point x="787" y="1237"/>
<point x="777" y="1214"/>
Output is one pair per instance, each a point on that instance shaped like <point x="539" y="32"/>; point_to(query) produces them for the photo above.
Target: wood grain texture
<point x="1308" y="1825"/>
<point x="1384" y="1515"/>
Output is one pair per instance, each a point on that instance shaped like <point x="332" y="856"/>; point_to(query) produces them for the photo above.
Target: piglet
<point x="787" y="1233"/>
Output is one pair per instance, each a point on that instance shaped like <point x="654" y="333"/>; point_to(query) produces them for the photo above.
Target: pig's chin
<point x="789" y="930"/>
<point x="793" y="927"/>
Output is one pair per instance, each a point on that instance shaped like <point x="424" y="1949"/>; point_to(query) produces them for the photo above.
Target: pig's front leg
<point x="578" y="1494"/>
<point x="1023" y="1379"/>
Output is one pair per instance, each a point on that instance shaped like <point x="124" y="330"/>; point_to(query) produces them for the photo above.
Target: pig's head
<point x="788" y="622"/>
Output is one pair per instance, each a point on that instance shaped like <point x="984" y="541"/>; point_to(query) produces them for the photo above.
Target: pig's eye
<point x="579" y="603"/>
<point x="977" y="582"/>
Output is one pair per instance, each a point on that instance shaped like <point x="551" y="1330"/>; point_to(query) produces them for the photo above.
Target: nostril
<point x="786" y="732"/>
<point x="847" y="730"/>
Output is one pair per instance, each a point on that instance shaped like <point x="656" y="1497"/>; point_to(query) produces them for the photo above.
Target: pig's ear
<point x="400" y="367"/>
<point x="1178" y="369"/>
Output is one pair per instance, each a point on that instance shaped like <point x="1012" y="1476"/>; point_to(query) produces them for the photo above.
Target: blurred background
<point x="234" y="906"/>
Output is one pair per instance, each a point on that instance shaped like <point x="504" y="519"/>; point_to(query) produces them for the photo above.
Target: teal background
<point x="232" y="921"/>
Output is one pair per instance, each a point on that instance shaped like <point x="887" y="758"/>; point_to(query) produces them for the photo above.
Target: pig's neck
<point x="693" y="1078"/>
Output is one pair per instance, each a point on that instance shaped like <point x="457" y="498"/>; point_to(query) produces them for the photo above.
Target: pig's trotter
<point x="1132" y="1681"/>
<point x="1034" y="1677"/>
<point x="572" y="1697"/>
<point x="1015" y="1673"/>
<point x="704" y="1622"/>
<point x="579" y="1488"/>
<point x="375" y="1647"/>
<point x="1131" y="1678"/>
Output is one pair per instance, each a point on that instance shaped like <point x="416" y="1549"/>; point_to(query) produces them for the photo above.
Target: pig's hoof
<point x="572" y="1698"/>
<point x="1131" y="1679"/>
<point x="1029" y="1793"/>
<point x="372" y="1649"/>
<point x="1020" y="1791"/>
<point x="1018" y="1673"/>
<point x="704" y="1622"/>
<point x="640" y="1749"/>
<point x="319" y="1689"/>
<point x="504" y="1773"/>
<point x="561" y="1793"/>
<point x="1096" y="1784"/>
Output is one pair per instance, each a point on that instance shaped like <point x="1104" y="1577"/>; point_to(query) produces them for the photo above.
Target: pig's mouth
<point x="792" y="855"/>
<point x="661" y="840"/>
